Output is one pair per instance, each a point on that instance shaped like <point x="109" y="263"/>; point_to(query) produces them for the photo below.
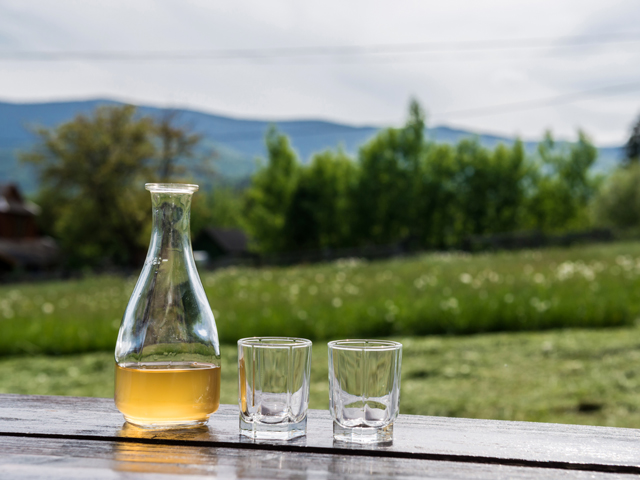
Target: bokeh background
<point x="461" y="176"/>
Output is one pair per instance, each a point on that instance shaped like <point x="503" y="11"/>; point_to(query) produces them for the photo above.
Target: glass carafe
<point x="168" y="354"/>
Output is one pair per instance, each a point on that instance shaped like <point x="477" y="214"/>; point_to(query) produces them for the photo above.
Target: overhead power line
<point x="305" y="131"/>
<point x="262" y="54"/>
<point x="542" y="102"/>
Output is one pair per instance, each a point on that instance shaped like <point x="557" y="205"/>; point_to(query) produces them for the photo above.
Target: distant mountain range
<point x="237" y="142"/>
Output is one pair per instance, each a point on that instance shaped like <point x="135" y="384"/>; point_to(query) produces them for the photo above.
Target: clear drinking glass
<point x="364" y="389"/>
<point x="167" y="354"/>
<point x="273" y="393"/>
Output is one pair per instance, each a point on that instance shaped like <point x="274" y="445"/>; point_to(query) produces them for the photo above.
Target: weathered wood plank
<point x="418" y="437"/>
<point x="40" y="458"/>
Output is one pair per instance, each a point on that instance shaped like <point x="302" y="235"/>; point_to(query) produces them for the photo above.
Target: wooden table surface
<point x="71" y="437"/>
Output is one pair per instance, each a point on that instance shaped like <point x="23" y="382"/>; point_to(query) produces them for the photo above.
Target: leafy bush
<point x="618" y="202"/>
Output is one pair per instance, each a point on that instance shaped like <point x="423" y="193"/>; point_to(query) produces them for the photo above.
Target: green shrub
<point x="618" y="202"/>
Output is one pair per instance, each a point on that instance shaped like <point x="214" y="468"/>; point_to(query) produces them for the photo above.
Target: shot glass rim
<point x="285" y="342"/>
<point x="375" y="345"/>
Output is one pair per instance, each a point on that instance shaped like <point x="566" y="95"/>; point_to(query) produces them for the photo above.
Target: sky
<point x="496" y="66"/>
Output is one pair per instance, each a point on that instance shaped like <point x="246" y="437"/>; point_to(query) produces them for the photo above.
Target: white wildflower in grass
<point x="294" y="289"/>
<point x="466" y="278"/>
<point x="625" y="261"/>
<point x="348" y="262"/>
<point x="538" y="278"/>
<point x="588" y="273"/>
<point x="528" y="269"/>
<point x="7" y="313"/>
<point x="267" y="275"/>
<point x="540" y="305"/>
<point x="424" y="280"/>
<point x="242" y="294"/>
<point x="449" y="304"/>
<point x="384" y="276"/>
<point x="477" y="283"/>
<point x="319" y="278"/>
<point x="48" y="308"/>
<point x="565" y="271"/>
<point x="336" y="302"/>
<point x="351" y="289"/>
<point x="313" y="290"/>
<point x="508" y="298"/>
<point x="302" y="315"/>
<point x="340" y="277"/>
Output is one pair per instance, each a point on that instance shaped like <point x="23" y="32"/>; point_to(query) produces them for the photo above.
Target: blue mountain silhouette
<point x="236" y="142"/>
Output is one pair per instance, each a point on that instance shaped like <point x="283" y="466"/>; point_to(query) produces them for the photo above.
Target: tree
<point x="221" y="207"/>
<point x="268" y="198"/>
<point x="320" y="213"/>
<point x="386" y="210"/>
<point x="92" y="171"/>
<point x="561" y="184"/>
<point x="175" y="144"/>
<point x="618" y="202"/>
<point x="632" y="148"/>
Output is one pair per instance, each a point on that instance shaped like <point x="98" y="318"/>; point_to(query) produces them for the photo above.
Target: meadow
<point x="591" y="286"/>
<point x="581" y="376"/>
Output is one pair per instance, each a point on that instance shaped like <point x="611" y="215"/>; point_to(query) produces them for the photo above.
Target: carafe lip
<point x="171" y="187"/>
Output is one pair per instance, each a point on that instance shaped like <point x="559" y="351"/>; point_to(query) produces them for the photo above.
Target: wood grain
<point x="41" y="458"/>
<point x="574" y="447"/>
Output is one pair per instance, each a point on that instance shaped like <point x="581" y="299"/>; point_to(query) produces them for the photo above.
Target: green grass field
<point x="553" y="361"/>
<point x="566" y="376"/>
<point x="591" y="286"/>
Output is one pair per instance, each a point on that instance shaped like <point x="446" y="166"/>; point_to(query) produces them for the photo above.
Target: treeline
<point x="402" y="187"/>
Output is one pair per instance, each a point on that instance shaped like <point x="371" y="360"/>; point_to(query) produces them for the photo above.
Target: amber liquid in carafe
<point x="165" y="394"/>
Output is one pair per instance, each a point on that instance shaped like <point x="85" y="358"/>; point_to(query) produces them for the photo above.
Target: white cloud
<point x="363" y="90"/>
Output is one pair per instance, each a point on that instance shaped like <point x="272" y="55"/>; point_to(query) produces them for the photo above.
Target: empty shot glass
<point x="273" y="392"/>
<point x="364" y="389"/>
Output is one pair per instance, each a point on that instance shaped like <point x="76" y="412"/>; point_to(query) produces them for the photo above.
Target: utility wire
<point x="262" y="54"/>
<point x="543" y="102"/>
<point x="305" y="131"/>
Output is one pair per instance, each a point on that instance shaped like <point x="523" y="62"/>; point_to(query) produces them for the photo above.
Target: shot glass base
<point x="273" y="431"/>
<point x="365" y="435"/>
